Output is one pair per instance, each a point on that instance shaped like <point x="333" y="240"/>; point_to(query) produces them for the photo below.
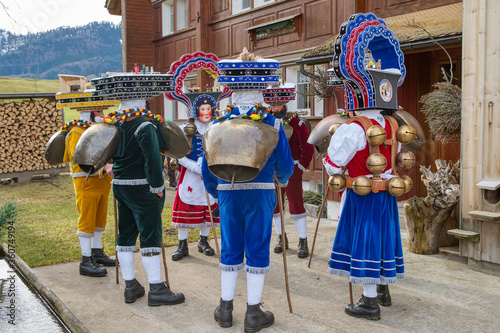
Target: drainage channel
<point x="27" y="304"/>
<point x="23" y="308"/>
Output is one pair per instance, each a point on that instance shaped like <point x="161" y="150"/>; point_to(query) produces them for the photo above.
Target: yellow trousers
<point x="92" y="203"/>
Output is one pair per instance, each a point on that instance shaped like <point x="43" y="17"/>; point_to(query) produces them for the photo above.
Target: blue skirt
<point x="367" y="246"/>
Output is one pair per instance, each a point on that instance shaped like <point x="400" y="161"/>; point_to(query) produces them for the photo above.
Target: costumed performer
<point x="91" y="199"/>
<point x="302" y="153"/>
<point x="138" y="187"/>
<point x="190" y="206"/>
<point x="246" y="210"/>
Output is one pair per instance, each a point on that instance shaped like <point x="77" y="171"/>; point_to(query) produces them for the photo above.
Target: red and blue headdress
<point x="180" y="70"/>
<point x="369" y="61"/>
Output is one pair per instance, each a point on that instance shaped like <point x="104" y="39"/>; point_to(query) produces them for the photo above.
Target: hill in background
<point x="88" y="50"/>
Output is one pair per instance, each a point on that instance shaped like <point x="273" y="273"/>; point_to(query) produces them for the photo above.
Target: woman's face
<point x="205" y="113"/>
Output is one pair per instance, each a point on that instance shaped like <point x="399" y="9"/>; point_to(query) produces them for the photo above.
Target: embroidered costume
<point x="91" y="202"/>
<point x="246" y="207"/>
<point x="367" y="246"/>
<point x="190" y="206"/>
<point x="302" y="153"/>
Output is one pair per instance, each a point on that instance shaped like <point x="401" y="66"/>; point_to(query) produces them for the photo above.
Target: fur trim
<point x="143" y="181"/>
<point x="186" y="225"/>
<point x="246" y="186"/>
<point x="257" y="270"/>
<point x="231" y="268"/>
<point x="99" y="229"/>
<point x="84" y="234"/>
<point x="126" y="248"/>
<point x="141" y="126"/>
<point x="156" y="189"/>
<point x="297" y="216"/>
<point x="150" y="250"/>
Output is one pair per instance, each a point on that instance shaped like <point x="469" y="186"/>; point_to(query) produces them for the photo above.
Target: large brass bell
<point x="405" y="134"/>
<point x="376" y="135"/>
<point x="336" y="183"/>
<point x="408" y="183"/>
<point x="190" y="129"/>
<point x="333" y="129"/>
<point x="376" y="163"/>
<point x="362" y="185"/>
<point x="406" y="159"/>
<point x="396" y="186"/>
<point x="174" y="164"/>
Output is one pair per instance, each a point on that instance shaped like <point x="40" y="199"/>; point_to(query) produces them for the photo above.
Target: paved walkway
<point x="440" y="294"/>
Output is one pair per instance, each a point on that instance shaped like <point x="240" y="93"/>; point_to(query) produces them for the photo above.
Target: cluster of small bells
<point x="376" y="163"/>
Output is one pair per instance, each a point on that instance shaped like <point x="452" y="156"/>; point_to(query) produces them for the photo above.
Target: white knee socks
<point x="228" y="284"/>
<point x="301" y="226"/>
<point x="277" y="224"/>
<point x="255" y="286"/>
<point x="152" y="265"/>
<point x="370" y="290"/>
<point x="96" y="240"/>
<point x="204" y="231"/>
<point x="182" y="233"/>
<point x="85" y="246"/>
<point x="126" y="260"/>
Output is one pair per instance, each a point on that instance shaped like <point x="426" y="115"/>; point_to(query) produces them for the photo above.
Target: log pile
<point x="425" y="217"/>
<point x="25" y="128"/>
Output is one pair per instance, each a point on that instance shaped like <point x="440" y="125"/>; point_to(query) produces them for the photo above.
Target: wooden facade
<point x="213" y="28"/>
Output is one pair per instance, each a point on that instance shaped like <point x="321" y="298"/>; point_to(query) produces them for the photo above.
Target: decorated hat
<point x="132" y="86"/>
<point x="369" y="61"/>
<point x="248" y="72"/>
<point x="181" y="68"/>
<point x="84" y="101"/>
<point x="281" y="94"/>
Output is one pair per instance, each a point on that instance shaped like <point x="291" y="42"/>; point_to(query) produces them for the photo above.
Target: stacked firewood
<point x="25" y="128"/>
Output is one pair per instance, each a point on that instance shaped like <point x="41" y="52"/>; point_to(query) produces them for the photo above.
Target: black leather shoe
<point x="101" y="258"/>
<point x="223" y="314"/>
<point x="204" y="247"/>
<point x="181" y="251"/>
<point x="255" y="318"/>
<point x="366" y="308"/>
<point x="383" y="296"/>
<point x="133" y="290"/>
<point x="160" y="294"/>
<point x="302" y="249"/>
<point x="279" y="246"/>
<point x="90" y="268"/>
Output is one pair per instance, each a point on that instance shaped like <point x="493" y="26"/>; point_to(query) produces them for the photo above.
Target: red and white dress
<point x="190" y="204"/>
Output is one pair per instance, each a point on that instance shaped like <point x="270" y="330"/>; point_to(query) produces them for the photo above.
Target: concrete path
<point x="440" y="294"/>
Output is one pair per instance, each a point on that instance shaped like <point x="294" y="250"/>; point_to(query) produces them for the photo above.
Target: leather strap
<point x="377" y="184"/>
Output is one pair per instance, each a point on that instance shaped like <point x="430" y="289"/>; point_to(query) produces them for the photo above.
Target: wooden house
<point x="298" y="33"/>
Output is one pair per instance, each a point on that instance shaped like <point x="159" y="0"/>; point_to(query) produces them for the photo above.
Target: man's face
<point x="205" y="113"/>
<point x="277" y="110"/>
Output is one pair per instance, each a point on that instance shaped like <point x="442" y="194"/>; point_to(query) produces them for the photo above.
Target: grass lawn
<point x="45" y="230"/>
<point x="18" y="85"/>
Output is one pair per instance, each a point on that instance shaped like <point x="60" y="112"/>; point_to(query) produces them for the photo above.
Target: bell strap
<point x="366" y="123"/>
<point x="393" y="142"/>
<point x="377" y="184"/>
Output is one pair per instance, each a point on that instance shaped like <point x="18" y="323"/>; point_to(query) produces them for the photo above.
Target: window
<point x="182" y="14"/>
<point x="243" y="5"/>
<point x="303" y="98"/>
<point x="174" y="16"/>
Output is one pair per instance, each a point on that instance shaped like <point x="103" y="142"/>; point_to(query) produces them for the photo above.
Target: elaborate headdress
<point x="280" y="94"/>
<point x="248" y="72"/>
<point x="367" y="58"/>
<point x="180" y="70"/>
